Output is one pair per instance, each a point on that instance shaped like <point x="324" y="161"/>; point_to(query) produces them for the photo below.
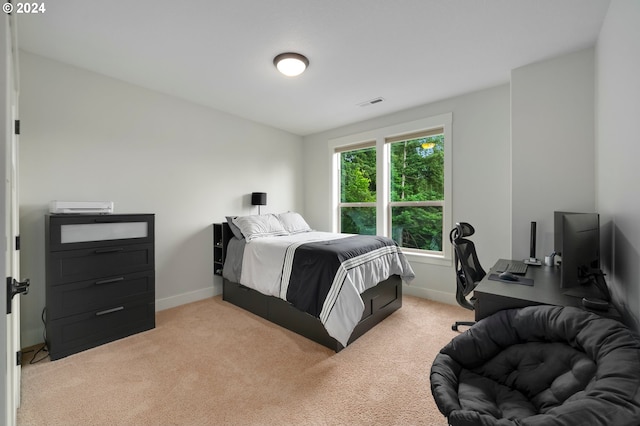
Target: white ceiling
<point x="219" y="53"/>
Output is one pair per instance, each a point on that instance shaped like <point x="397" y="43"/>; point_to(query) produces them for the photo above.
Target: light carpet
<point x="211" y="363"/>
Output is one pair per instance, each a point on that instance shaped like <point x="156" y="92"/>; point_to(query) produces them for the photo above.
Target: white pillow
<point x="257" y="226"/>
<point x="293" y="223"/>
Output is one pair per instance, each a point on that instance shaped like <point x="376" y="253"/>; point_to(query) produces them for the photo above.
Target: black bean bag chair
<point x="540" y="365"/>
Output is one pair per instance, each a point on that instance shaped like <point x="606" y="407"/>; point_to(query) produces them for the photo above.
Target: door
<point x="9" y="222"/>
<point x="12" y="265"/>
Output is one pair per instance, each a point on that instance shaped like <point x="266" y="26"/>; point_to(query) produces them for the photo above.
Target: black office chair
<point x="468" y="270"/>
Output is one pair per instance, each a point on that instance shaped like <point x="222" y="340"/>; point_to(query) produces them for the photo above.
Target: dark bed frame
<point x="380" y="302"/>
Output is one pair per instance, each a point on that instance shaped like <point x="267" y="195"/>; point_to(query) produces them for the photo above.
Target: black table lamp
<point x="258" y="199"/>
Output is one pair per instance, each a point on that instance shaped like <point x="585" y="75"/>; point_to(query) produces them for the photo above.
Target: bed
<point x="331" y="288"/>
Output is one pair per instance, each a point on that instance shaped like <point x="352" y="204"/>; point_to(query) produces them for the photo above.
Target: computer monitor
<point x="580" y="248"/>
<point x="558" y="218"/>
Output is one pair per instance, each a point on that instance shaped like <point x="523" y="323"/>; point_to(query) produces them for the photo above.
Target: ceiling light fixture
<point x="291" y="64"/>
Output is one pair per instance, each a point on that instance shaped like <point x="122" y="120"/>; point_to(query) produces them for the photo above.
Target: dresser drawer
<point x="71" y="232"/>
<point x="97" y="263"/>
<point x="79" y="332"/>
<point x="75" y="298"/>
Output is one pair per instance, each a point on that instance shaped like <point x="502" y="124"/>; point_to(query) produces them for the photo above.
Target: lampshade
<point x="291" y="64"/>
<point x="258" y="198"/>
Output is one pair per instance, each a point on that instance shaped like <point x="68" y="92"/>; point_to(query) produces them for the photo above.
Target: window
<point x="416" y="181"/>
<point x="357" y="203"/>
<point x="396" y="182"/>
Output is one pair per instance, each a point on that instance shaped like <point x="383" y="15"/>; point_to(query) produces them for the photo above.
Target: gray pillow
<point x="236" y="231"/>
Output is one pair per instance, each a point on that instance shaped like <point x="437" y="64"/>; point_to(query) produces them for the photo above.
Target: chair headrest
<point x="462" y="229"/>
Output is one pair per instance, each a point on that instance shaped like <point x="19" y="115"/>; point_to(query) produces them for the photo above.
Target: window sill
<point x="429" y="259"/>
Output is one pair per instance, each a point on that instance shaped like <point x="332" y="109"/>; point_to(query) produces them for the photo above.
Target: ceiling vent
<point x="370" y="102"/>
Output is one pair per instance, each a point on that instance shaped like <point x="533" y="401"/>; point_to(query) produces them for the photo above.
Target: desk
<point x="492" y="296"/>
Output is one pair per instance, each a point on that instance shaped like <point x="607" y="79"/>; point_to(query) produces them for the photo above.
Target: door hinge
<point x="19" y="358"/>
<point x="15" y="287"/>
<point x="17" y="242"/>
<point x="16" y="127"/>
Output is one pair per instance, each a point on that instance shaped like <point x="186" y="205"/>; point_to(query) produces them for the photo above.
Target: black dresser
<point x="100" y="279"/>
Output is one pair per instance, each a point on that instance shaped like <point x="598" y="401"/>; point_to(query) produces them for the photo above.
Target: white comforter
<point x="262" y="270"/>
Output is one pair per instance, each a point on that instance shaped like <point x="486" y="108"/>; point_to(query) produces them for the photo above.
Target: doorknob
<point x="16" y="287"/>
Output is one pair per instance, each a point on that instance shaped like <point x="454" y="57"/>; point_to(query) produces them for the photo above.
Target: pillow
<point x="257" y="226"/>
<point x="293" y="223"/>
<point x="234" y="228"/>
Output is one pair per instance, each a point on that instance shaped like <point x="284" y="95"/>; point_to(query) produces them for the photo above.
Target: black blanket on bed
<point x="315" y="264"/>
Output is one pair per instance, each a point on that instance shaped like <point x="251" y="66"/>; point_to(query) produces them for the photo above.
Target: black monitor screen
<point x="558" y="219"/>
<point x="580" y="247"/>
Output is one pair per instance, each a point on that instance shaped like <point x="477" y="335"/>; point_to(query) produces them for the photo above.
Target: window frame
<point x="383" y="205"/>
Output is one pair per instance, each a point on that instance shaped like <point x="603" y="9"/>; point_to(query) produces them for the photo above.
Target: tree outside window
<point x="417" y="192"/>
<point x="358" y="191"/>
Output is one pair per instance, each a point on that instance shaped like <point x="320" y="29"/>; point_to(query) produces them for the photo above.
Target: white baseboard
<point x="184" y="298"/>
<point x="32" y="337"/>
<point x="194" y="296"/>
<point x="425" y="293"/>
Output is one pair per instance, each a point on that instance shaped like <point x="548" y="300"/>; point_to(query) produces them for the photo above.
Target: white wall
<point x="89" y="137"/>
<point x="618" y="150"/>
<point x="481" y="188"/>
<point x="552" y="137"/>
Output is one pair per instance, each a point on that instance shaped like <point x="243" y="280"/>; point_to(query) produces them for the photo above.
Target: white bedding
<point x="262" y="267"/>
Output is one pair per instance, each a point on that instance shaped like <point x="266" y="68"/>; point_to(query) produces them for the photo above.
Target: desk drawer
<point x="79" y="332"/>
<point x="75" y="298"/>
<point x="79" y="265"/>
